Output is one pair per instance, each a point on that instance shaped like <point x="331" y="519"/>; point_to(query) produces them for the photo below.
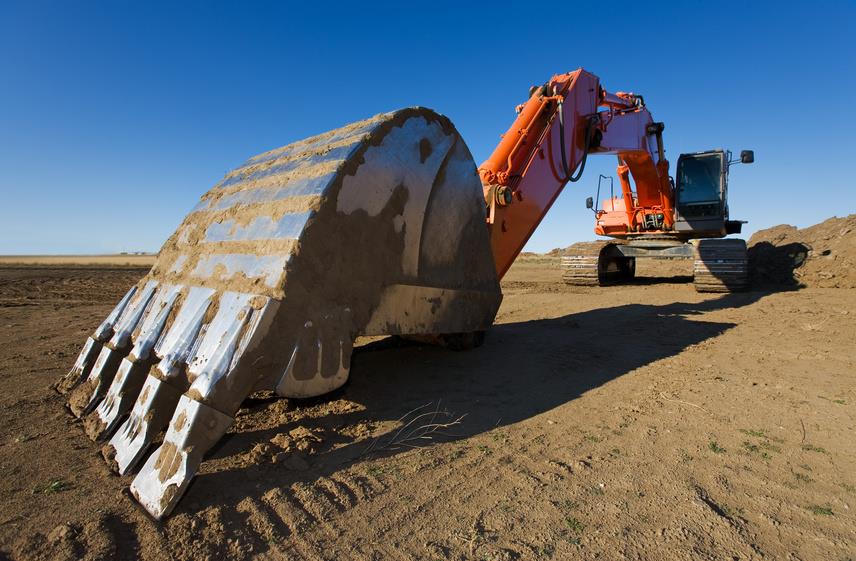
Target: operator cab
<point x="701" y="192"/>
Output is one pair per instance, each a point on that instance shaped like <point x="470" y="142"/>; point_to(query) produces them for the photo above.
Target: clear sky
<point x="116" y="116"/>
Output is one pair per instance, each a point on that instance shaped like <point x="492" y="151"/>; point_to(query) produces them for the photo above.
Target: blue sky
<point x="116" y="116"/>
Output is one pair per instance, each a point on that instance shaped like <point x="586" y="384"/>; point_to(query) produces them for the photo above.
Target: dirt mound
<point x="823" y="255"/>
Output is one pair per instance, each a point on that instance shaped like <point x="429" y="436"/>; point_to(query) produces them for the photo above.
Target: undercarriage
<point x="719" y="265"/>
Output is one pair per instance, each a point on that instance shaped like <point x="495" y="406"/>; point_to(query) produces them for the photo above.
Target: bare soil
<point x="635" y="422"/>
<point x="822" y="255"/>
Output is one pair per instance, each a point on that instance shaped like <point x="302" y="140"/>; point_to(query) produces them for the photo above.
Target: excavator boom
<point x="561" y="123"/>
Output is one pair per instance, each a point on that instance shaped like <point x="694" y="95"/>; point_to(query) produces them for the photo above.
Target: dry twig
<point x="417" y="429"/>
<point x="663" y="396"/>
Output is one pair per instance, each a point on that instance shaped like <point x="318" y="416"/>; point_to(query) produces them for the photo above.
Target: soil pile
<point x="823" y="255"/>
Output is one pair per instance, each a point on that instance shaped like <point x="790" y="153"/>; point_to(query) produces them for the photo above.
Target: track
<point x="721" y="266"/>
<point x="596" y="264"/>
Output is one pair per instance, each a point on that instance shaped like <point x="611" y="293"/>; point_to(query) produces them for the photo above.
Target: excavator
<point x="382" y="227"/>
<point x="685" y="224"/>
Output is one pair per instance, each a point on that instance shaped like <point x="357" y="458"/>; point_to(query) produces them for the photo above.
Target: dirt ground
<point x="636" y="422"/>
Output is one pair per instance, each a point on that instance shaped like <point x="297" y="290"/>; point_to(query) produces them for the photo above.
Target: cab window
<point x="699" y="179"/>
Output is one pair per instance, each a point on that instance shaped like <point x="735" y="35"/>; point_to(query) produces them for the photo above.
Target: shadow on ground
<point x="776" y="265"/>
<point x="647" y="281"/>
<point x="522" y="370"/>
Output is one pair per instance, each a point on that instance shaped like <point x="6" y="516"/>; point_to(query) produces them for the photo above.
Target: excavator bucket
<point x="371" y="229"/>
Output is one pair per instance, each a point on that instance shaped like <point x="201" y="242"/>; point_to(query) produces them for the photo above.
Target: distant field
<point x="117" y="260"/>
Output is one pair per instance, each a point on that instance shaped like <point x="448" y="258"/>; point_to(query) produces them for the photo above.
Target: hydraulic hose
<point x="565" y="170"/>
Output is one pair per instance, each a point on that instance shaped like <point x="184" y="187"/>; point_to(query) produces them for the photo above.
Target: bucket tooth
<point x="220" y="347"/>
<point x="163" y="386"/>
<point x="167" y="473"/>
<point x="86" y="359"/>
<point x="86" y="396"/>
<point x="150" y="415"/>
<point x="377" y="228"/>
<point x="221" y="380"/>
<point x="121" y="394"/>
<point x="132" y="372"/>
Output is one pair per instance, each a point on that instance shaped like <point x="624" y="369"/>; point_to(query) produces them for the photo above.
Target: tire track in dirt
<point x="435" y="504"/>
<point x="268" y="527"/>
<point x="291" y="513"/>
<point x="288" y="521"/>
<point x="343" y="497"/>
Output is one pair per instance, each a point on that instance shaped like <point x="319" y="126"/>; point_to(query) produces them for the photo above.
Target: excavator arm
<point x="564" y="121"/>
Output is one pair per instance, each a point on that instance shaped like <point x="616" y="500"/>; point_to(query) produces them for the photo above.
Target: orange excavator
<point x="375" y="228"/>
<point x="571" y="117"/>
